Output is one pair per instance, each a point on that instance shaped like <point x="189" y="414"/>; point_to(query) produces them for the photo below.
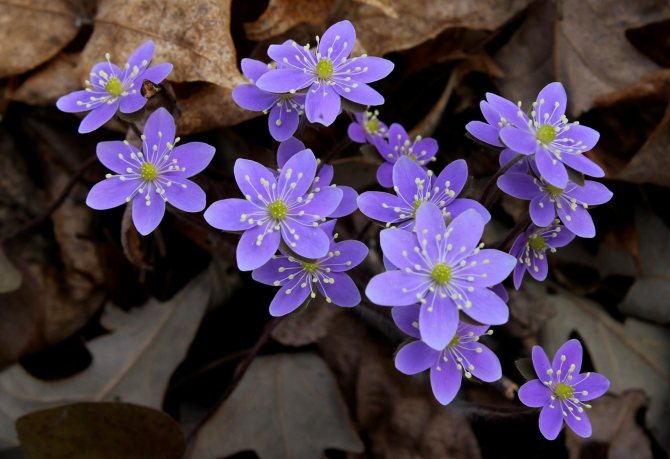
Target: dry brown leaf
<point x="421" y="20"/>
<point x="614" y="424"/>
<point x="286" y="406"/>
<point x="48" y="83"/>
<point x="33" y="31"/>
<point x="133" y="363"/>
<point x="10" y="277"/>
<point x="282" y="15"/>
<point x="306" y="326"/>
<point x="385" y="5"/>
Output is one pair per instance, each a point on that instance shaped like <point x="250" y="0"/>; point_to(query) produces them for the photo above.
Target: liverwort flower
<point x="488" y="132"/>
<point x="415" y="186"/>
<point x="324" y="177"/>
<point x="276" y="208"/>
<point x="327" y="72"/>
<point x="548" y="201"/>
<point x="561" y="390"/>
<point x="301" y="279"/>
<point x="464" y="355"/>
<point x="367" y="127"/>
<point x="285" y="109"/>
<point x="445" y="269"/>
<point x="547" y="134"/>
<point x="153" y="176"/>
<point x="398" y="144"/>
<point x="530" y="249"/>
<point x="110" y="88"/>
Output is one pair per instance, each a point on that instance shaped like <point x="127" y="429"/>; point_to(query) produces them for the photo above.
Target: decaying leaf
<point x="101" y="430"/>
<point x="286" y="406"/>
<point x="421" y="20"/>
<point x="633" y="355"/>
<point x="648" y="296"/>
<point x="10" y="277"/>
<point x="33" y="31"/>
<point x="48" y="83"/>
<point x="132" y="364"/>
<point x="282" y="15"/>
<point x="614" y="424"/>
<point x="306" y="326"/>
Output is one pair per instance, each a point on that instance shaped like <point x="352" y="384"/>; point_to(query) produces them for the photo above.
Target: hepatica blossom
<point x="415" y="186"/>
<point x="464" y="355"/>
<point x="548" y="201"/>
<point x="156" y="175"/>
<point x="398" y="144"/>
<point x="530" y="249"/>
<point x="367" y="127"/>
<point x="562" y="391"/>
<point x="445" y="270"/>
<point x="300" y="279"/>
<point x="546" y="134"/>
<point x="285" y="109"/>
<point x="276" y="208"/>
<point x="327" y="72"/>
<point x="111" y="88"/>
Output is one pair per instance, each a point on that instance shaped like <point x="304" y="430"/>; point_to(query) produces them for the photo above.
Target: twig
<point x="207" y="368"/>
<point x="54" y="205"/>
<point x="488" y="195"/>
<point x="337" y="149"/>
<point x="519" y="228"/>
<point x="240" y="371"/>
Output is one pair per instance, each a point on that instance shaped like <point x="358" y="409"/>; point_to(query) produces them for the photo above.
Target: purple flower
<point x="464" y="355"/>
<point x="327" y="72"/>
<point x="324" y="177"/>
<point x="421" y="151"/>
<point x="446" y="270"/>
<point x="488" y="132"/>
<point x="547" y="134"/>
<point x="547" y="201"/>
<point x="414" y="186"/>
<point x="300" y="279"/>
<point x="367" y="127"/>
<point x="530" y="249"/>
<point x="561" y="390"/>
<point x="110" y="88"/>
<point x="285" y="109"/>
<point x="151" y="177"/>
<point x="276" y="209"/>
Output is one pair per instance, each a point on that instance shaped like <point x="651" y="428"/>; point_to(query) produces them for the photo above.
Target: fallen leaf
<point x="633" y="355"/>
<point x="614" y="426"/>
<point x="306" y="326"/>
<point x="386" y="6"/>
<point x="133" y="363"/>
<point x="46" y="25"/>
<point x="282" y="15"/>
<point x="101" y="430"/>
<point x="648" y="296"/>
<point x="10" y="277"/>
<point x="421" y="20"/>
<point x="48" y="83"/>
<point x="286" y="406"/>
<point x="529" y="311"/>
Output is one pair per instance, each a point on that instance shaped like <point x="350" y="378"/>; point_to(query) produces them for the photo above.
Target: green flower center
<point x="554" y="190"/>
<point x="114" y="87"/>
<point x="537" y="243"/>
<point x="546" y="134"/>
<point x="148" y="172"/>
<point x="324" y="69"/>
<point x="309" y="267"/>
<point x="563" y="391"/>
<point x="441" y="273"/>
<point x="454" y="341"/>
<point x="416" y="206"/>
<point x="372" y="126"/>
<point x="412" y="157"/>
<point x="278" y="209"/>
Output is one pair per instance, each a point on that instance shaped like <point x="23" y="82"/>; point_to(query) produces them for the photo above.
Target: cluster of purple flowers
<point x="445" y="288"/>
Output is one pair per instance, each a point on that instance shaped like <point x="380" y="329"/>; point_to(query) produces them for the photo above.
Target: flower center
<point x="546" y="134"/>
<point x="563" y="391"/>
<point x="441" y="273"/>
<point x="554" y="190"/>
<point x="416" y="206"/>
<point x="278" y="209"/>
<point x="412" y="156"/>
<point x="454" y="341"/>
<point x="324" y="69"/>
<point x="309" y="267"/>
<point x="287" y="96"/>
<point x="537" y="243"/>
<point x="372" y="126"/>
<point x="114" y="87"/>
<point x="148" y="172"/>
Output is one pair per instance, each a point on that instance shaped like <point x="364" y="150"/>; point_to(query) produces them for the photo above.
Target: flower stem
<point x="490" y="191"/>
<point x="519" y="228"/>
